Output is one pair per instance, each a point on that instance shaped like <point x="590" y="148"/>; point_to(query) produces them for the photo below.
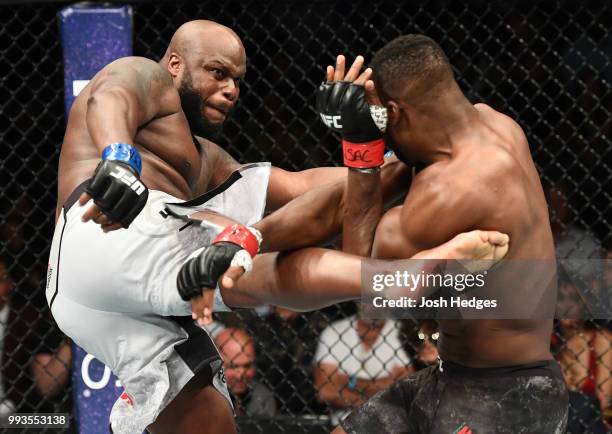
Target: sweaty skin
<point x="152" y="106"/>
<point x="478" y="173"/>
<point x="136" y="101"/>
<point x="315" y="278"/>
<point x="488" y="181"/>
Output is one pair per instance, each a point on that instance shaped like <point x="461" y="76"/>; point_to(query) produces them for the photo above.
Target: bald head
<point x="197" y="36"/>
<point x="232" y="341"/>
<point x="238" y="352"/>
<point x="207" y="62"/>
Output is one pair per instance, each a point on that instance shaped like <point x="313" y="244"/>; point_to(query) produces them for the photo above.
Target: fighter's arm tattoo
<point x="127" y="94"/>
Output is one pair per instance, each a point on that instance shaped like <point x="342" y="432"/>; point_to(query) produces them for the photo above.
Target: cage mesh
<point x="544" y="63"/>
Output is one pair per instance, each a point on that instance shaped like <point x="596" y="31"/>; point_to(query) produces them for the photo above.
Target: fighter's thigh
<point x="405" y="407"/>
<point x="131" y="270"/>
<point x="118" y="340"/>
<point x="198" y="409"/>
<point x="384" y="413"/>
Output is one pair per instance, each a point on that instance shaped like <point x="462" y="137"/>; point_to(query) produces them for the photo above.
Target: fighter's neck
<point x="441" y="128"/>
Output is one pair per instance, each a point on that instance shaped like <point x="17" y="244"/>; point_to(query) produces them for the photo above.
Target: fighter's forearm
<point x="317" y="215"/>
<point x="362" y="212"/>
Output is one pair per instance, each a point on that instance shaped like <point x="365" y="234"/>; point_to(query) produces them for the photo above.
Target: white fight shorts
<point x="115" y="293"/>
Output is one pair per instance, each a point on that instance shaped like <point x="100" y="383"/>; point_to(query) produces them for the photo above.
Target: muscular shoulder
<point x="147" y="80"/>
<point x="505" y="126"/>
<point x="140" y="66"/>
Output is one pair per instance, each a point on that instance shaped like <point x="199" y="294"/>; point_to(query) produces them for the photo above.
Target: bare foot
<point x="491" y="245"/>
<point x="476" y="250"/>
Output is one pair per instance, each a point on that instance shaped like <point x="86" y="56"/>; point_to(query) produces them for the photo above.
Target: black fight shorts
<point x="449" y="398"/>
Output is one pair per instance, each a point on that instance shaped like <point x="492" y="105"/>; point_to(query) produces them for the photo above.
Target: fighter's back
<point x="489" y="182"/>
<point x="170" y="158"/>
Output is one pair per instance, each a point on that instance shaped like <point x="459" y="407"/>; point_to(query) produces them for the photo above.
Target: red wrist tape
<point x="240" y="235"/>
<point x="364" y="155"/>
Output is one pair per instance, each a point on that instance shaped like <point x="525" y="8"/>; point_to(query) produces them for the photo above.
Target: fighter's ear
<point x="393" y="111"/>
<point x="175" y="64"/>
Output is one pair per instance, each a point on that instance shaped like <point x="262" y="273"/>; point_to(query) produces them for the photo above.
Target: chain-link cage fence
<point x="545" y="64"/>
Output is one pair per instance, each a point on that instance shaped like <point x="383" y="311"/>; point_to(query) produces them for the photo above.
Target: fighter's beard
<point x="191" y="102"/>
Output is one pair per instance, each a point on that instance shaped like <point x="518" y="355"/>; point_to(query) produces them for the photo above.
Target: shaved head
<point x="198" y="36"/>
<point x="233" y="341"/>
<point x="238" y="352"/>
<point x="207" y="62"/>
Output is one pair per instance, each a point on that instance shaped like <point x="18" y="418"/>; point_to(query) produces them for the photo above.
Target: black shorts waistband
<point x="547" y="368"/>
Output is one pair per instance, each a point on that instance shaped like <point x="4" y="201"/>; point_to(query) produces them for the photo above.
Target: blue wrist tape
<point x="352" y="384"/>
<point x="123" y="152"/>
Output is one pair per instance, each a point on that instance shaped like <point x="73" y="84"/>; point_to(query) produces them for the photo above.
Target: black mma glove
<point x="343" y="108"/>
<point x="116" y="187"/>
<point x="236" y="245"/>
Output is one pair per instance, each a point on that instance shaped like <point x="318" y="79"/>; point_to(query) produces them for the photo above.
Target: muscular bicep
<point x="435" y="212"/>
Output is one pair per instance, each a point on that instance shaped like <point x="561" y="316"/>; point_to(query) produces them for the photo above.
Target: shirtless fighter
<point x="476" y="170"/>
<point x="114" y="292"/>
<point x="136" y="114"/>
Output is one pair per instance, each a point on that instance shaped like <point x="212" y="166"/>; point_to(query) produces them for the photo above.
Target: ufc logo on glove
<point x="129" y="179"/>
<point x="331" y="121"/>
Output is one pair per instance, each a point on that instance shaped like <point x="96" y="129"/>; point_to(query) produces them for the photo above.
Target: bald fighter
<point x="476" y="170"/>
<point x="173" y="193"/>
<point x="130" y="160"/>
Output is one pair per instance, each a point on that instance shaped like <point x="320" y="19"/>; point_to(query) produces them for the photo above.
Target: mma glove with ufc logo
<point x="116" y="186"/>
<point x="235" y="246"/>
<point x="343" y="108"/>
